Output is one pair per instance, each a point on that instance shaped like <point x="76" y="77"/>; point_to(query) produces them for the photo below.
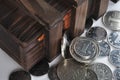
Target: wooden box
<point x="32" y="30"/>
<point x="96" y="8"/>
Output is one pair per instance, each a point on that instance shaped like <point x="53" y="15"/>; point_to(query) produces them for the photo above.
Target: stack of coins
<point x="70" y="69"/>
<point x="84" y="49"/>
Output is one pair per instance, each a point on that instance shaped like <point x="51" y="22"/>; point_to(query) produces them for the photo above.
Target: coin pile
<point x="84" y="50"/>
<point x="70" y="69"/>
<point x="111" y="20"/>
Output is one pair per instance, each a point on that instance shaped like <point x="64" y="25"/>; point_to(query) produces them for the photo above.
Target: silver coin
<point x="69" y="69"/>
<point x="104" y="48"/>
<point x="114" y="39"/>
<point x="103" y="71"/>
<point x="84" y="49"/>
<point x="114" y="58"/>
<point x="97" y="33"/>
<point x="52" y="73"/>
<point x="91" y="75"/>
<point x="117" y="74"/>
<point x="112" y="20"/>
<point x="65" y="46"/>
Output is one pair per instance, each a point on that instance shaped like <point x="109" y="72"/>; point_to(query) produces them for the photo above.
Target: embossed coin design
<point x="114" y="39"/>
<point x="112" y="20"/>
<point x="97" y="33"/>
<point x="84" y="49"/>
<point x="104" y="48"/>
<point x="103" y="71"/>
<point x="114" y="58"/>
<point x="52" y="73"/>
<point x="91" y="75"/>
<point x="69" y="69"/>
<point x="117" y="74"/>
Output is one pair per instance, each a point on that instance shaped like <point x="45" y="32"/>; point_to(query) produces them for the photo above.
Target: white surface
<point x="7" y="64"/>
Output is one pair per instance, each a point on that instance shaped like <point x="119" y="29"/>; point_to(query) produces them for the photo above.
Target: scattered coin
<point x="114" y="39"/>
<point x="91" y="75"/>
<point x="117" y="74"/>
<point x="97" y="33"/>
<point x="84" y="49"/>
<point x="103" y="71"/>
<point x="104" y="48"/>
<point x="114" y="58"/>
<point x="40" y="68"/>
<point x="20" y="75"/>
<point x="112" y="20"/>
<point x="69" y="69"/>
<point x="115" y="1"/>
<point x="65" y="46"/>
<point x="52" y="73"/>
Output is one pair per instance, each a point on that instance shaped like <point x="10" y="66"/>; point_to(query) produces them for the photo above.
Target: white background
<point x="7" y="64"/>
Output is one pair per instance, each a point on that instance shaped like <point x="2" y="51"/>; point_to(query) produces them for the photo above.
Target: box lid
<point x="47" y="12"/>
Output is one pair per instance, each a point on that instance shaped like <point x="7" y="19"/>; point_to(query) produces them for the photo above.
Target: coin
<point x="69" y="69"/>
<point x="115" y="1"/>
<point x="103" y="71"/>
<point x="114" y="39"/>
<point x="91" y="75"/>
<point x="117" y="74"/>
<point x="97" y="33"/>
<point x="84" y="49"/>
<point x="114" y="58"/>
<point x="40" y="68"/>
<point x="111" y="20"/>
<point x="52" y="73"/>
<point x="20" y="75"/>
<point x="65" y="46"/>
<point x="104" y="48"/>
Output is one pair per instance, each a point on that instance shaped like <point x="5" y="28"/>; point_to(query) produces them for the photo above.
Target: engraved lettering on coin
<point x="97" y="33"/>
<point x="112" y="20"/>
<point x="84" y="49"/>
<point x="114" y="39"/>
<point x="114" y="58"/>
<point x="103" y="71"/>
<point x="52" y="74"/>
<point x="91" y="75"/>
<point x="117" y="74"/>
<point x="104" y="48"/>
<point x="70" y="70"/>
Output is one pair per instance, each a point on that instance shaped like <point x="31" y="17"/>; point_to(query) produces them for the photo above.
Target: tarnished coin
<point x="112" y="20"/>
<point x="20" y="75"/>
<point x="84" y="49"/>
<point x="104" y="48"/>
<point x="52" y="73"/>
<point x="117" y="74"/>
<point x="91" y="75"/>
<point x="97" y="33"/>
<point x="114" y="58"/>
<point x="69" y="69"/>
<point x="103" y="71"/>
<point x="114" y="39"/>
<point x="65" y="46"/>
<point x="40" y="68"/>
